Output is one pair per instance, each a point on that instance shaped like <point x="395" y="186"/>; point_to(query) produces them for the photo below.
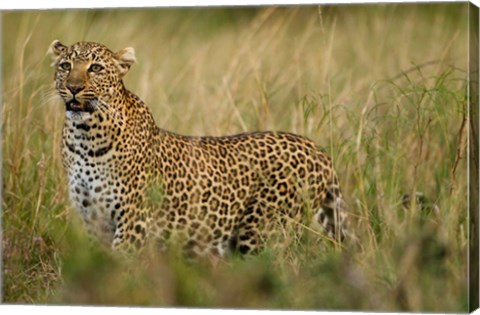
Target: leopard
<point x="135" y="184"/>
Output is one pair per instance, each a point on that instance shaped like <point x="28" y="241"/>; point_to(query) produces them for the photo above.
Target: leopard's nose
<point x="75" y="88"/>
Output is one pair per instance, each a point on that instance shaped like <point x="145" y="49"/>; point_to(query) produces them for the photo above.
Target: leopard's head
<point x="88" y="74"/>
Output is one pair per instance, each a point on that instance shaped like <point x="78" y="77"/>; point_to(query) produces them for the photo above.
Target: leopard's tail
<point x="332" y="213"/>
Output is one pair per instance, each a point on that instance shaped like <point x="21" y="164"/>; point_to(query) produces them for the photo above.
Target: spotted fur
<point x="132" y="181"/>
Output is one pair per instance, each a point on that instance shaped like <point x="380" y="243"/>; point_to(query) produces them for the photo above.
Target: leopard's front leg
<point x="131" y="228"/>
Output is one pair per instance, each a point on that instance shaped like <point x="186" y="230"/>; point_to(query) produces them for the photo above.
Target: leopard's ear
<point x="56" y="49"/>
<point x="125" y="58"/>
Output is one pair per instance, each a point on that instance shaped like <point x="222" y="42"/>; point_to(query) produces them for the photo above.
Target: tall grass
<point x="381" y="87"/>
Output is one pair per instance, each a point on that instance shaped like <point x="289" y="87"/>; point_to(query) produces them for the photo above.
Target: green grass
<point x="381" y="87"/>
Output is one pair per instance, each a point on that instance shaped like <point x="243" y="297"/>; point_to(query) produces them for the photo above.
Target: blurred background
<point x="382" y="87"/>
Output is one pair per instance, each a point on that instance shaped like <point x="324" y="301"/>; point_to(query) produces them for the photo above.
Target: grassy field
<point x="381" y="87"/>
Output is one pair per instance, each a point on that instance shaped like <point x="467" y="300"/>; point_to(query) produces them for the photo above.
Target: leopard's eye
<point x="66" y="66"/>
<point x="95" y="68"/>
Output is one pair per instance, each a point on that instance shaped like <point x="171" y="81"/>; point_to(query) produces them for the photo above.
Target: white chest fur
<point x="86" y="154"/>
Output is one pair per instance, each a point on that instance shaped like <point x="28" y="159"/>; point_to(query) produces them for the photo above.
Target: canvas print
<point x="301" y="157"/>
